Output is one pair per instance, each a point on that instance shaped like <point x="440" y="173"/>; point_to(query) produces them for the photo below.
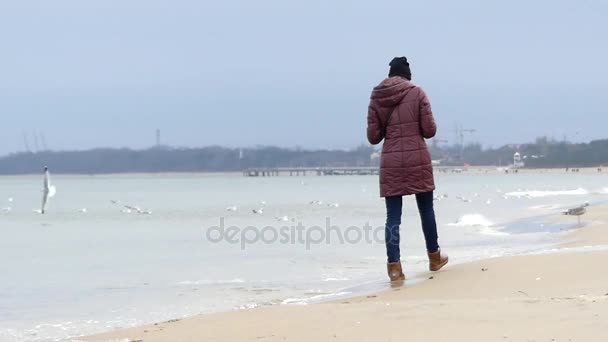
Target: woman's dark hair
<point x="400" y="67"/>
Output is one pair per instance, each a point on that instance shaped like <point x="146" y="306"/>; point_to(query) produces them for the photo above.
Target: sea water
<point x="124" y="250"/>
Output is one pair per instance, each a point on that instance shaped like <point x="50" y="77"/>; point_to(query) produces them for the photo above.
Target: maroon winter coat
<point x="405" y="166"/>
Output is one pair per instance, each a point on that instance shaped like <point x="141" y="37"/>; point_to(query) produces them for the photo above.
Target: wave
<point x="305" y="301"/>
<point x="479" y="222"/>
<point x="546" y="207"/>
<point x="336" y="279"/>
<point x="602" y="191"/>
<point x="472" y="220"/>
<point x="538" y="193"/>
<point x="210" y="282"/>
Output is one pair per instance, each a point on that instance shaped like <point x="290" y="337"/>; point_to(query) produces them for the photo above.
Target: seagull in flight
<point x="48" y="190"/>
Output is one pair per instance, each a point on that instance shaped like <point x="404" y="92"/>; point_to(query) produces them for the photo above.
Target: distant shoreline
<point x="543" y="153"/>
<point x="132" y="174"/>
<point x="437" y="169"/>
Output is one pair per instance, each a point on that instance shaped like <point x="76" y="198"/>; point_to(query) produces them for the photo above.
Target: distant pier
<point x="319" y="171"/>
<point x="352" y="170"/>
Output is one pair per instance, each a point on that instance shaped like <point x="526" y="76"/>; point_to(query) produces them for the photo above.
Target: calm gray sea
<point x="91" y="264"/>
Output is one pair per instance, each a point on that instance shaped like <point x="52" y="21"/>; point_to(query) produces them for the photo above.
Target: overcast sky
<point x="275" y="72"/>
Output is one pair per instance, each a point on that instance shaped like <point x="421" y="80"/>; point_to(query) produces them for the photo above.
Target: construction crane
<point x="460" y="134"/>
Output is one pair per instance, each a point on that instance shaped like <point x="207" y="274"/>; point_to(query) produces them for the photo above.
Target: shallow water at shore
<point x="76" y="271"/>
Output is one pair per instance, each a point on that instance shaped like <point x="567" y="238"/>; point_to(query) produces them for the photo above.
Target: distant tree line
<point x="561" y="154"/>
<point x="206" y="159"/>
<point x="543" y="152"/>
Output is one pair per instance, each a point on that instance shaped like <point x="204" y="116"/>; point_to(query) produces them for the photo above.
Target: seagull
<point x="464" y="199"/>
<point x="127" y="209"/>
<point x="258" y="211"/>
<point x="47" y="191"/>
<point x="333" y="205"/>
<point x="233" y="208"/>
<point x="440" y="197"/>
<point x="131" y="208"/>
<point x="138" y="210"/>
<point x="282" y="219"/>
<point x="577" y="211"/>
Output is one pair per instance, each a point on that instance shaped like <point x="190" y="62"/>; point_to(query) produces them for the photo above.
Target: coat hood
<point x="391" y="91"/>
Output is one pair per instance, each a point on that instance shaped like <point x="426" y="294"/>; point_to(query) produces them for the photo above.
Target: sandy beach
<point x="559" y="296"/>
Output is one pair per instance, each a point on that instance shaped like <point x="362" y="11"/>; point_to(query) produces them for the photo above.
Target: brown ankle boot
<point x="437" y="260"/>
<point x="395" y="273"/>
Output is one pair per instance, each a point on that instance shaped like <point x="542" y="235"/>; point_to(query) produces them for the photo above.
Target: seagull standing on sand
<point x="48" y="190"/>
<point x="578" y="211"/>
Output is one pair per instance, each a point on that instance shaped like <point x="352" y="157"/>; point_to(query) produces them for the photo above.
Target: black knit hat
<point x="400" y="67"/>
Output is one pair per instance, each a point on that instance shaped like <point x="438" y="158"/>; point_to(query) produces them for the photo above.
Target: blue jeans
<point x="394" y="206"/>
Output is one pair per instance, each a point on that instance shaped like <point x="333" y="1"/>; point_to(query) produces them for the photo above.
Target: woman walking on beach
<point x="400" y="114"/>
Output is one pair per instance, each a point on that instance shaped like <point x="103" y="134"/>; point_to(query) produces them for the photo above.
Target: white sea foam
<point x="336" y="279"/>
<point x="479" y="223"/>
<point x="538" y="193"/>
<point x="305" y="301"/>
<point x="602" y="191"/>
<point x="546" y="207"/>
<point x="211" y="282"/>
<point x="472" y="220"/>
<point x="247" y="306"/>
<point x="491" y="231"/>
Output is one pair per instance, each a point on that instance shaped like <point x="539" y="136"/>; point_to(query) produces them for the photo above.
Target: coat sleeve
<point x="427" y="121"/>
<point x="374" y="130"/>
